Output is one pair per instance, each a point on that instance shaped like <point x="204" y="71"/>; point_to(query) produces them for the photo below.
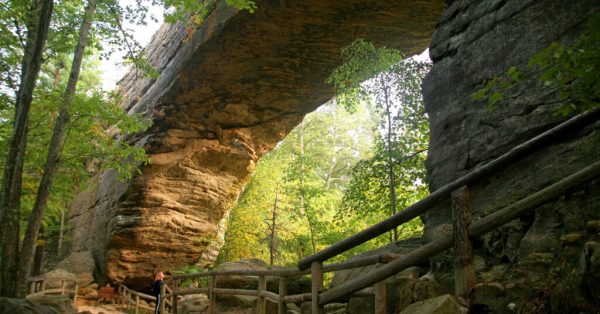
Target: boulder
<point x="400" y="247"/>
<point x="488" y="295"/>
<point x="240" y="282"/>
<point x="333" y="308"/>
<point x="444" y="304"/>
<point x="20" y="306"/>
<point x="81" y="264"/>
<point x="61" y="303"/>
<point x="591" y="271"/>
<point x="53" y="279"/>
<point x="194" y="303"/>
<point x="426" y="288"/>
<point x="403" y="289"/>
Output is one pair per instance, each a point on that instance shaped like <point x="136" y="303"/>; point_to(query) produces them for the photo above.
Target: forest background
<point x="351" y="163"/>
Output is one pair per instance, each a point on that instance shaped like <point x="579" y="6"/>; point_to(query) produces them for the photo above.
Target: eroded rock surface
<point x="226" y="95"/>
<point x="537" y="258"/>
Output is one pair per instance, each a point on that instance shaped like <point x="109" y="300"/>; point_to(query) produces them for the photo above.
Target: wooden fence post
<point x="464" y="271"/>
<point x="75" y="293"/>
<point x="163" y="291"/>
<point x="316" y="272"/>
<point x="32" y="285"/>
<point x="174" y="297"/>
<point x="380" y="298"/>
<point x="283" y="290"/>
<point x="212" y="304"/>
<point x="137" y="303"/>
<point x="62" y="287"/>
<point x="260" y="299"/>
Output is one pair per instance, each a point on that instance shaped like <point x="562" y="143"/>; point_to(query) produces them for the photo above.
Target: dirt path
<point x="106" y="309"/>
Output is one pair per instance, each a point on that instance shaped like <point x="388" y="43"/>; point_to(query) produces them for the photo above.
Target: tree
<point x="59" y="44"/>
<point x="272" y="225"/>
<point x="38" y="26"/>
<point x="55" y="148"/>
<point x="108" y="29"/>
<point x="396" y="170"/>
<point x="306" y="173"/>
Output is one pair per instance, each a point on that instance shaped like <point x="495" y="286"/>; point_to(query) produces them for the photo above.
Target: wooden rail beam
<point x="443" y="193"/>
<point x="192" y="291"/>
<point x="480" y="227"/>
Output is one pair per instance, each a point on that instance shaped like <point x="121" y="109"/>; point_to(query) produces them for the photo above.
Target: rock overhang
<point x="227" y="94"/>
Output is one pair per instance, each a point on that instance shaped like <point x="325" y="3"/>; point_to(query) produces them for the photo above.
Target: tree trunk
<point x="302" y="195"/>
<point x="38" y="256"/>
<point x="61" y="232"/>
<point x="11" y="184"/>
<point x="272" y="244"/>
<point x="390" y="163"/>
<point x="56" y="145"/>
<point x="330" y="171"/>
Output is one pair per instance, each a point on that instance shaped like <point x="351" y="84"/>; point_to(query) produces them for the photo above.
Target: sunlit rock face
<point x="227" y="94"/>
<point x="476" y="41"/>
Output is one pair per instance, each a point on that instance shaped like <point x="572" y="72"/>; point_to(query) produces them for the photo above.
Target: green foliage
<point x="193" y="12"/>
<point x="394" y="176"/>
<point x="192" y="283"/>
<point x="368" y="194"/>
<point x="569" y="70"/>
<point x="14" y="13"/>
<point x="361" y="61"/>
<point x="329" y="174"/>
<point x="96" y="118"/>
<point x="316" y="171"/>
<point x="180" y="10"/>
<point x="141" y="63"/>
<point x="248" y="5"/>
<point x="89" y="147"/>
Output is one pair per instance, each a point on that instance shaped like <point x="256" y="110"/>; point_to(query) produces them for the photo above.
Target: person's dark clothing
<point x="156" y="286"/>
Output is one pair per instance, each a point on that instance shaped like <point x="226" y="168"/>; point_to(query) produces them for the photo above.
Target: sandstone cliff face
<point x="478" y="40"/>
<point x="226" y="95"/>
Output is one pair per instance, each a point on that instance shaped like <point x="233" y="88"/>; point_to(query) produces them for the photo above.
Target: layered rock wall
<point x="227" y="93"/>
<point x="476" y="41"/>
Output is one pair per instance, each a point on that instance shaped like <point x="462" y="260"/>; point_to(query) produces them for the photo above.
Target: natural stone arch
<point x="227" y="94"/>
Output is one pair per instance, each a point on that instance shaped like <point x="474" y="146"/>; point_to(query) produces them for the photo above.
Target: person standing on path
<point x="156" y="288"/>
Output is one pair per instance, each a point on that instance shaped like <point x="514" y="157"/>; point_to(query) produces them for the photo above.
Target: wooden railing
<point x="131" y="298"/>
<point x="281" y="298"/>
<point x="458" y="189"/>
<point x="373" y="282"/>
<point x="38" y="286"/>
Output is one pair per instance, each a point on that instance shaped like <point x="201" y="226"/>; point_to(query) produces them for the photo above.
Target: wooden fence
<point x="38" y="286"/>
